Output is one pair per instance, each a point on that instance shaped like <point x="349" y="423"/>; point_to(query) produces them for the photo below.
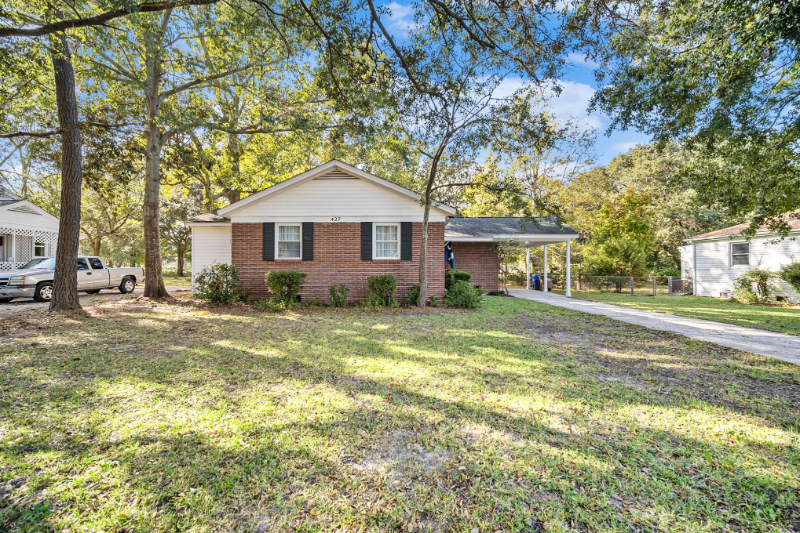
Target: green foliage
<point x="433" y="301"/>
<point x="412" y="295"/>
<point x="311" y="302"/>
<point x="272" y="304"/>
<point x="382" y="289"/>
<point x="338" y="295"/>
<point x="622" y="256"/>
<point x="753" y="286"/>
<point x="451" y="276"/>
<point x="791" y="274"/>
<point x="285" y="285"/>
<point x="219" y="283"/>
<point x="462" y="294"/>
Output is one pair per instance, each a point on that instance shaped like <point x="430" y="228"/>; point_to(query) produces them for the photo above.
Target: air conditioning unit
<point x="723" y="295"/>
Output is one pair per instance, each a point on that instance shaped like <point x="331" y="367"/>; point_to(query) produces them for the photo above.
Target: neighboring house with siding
<point x="339" y="224"/>
<point x="714" y="260"/>
<point x="26" y="231"/>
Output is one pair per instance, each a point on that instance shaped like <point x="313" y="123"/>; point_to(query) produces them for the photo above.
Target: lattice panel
<point x="24" y="247"/>
<point x="48" y="237"/>
<point x="22" y="232"/>
<point x="4" y="265"/>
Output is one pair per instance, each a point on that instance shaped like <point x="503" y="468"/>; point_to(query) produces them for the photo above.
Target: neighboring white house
<point x="26" y="231"/>
<point x="714" y="260"/>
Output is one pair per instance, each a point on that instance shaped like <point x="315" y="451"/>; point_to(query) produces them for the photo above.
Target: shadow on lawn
<point x="386" y="380"/>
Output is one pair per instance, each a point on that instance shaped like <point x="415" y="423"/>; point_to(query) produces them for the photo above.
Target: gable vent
<point x="25" y="209"/>
<point x="336" y="175"/>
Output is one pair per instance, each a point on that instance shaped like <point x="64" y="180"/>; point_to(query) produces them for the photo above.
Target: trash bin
<point x="537" y="282"/>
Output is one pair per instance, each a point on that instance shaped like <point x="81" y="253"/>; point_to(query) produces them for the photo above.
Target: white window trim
<point x="44" y="245"/>
<point x="731" y="254"/>
<point x="278" y="225"/>
<point x="374" y="241"/>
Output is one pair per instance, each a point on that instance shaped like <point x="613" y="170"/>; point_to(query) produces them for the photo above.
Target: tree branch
<point x="199" y="81"/>
<point x="99" y="20"/>
<point x="59" y="131"/>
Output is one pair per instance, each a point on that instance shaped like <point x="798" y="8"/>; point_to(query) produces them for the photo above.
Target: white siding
<point x="210" y="244"/>
<point x="687" y="261"/>
<point x="716" y="275"/>
<point x="332" y="195"/>
<point x="25" y="220"/>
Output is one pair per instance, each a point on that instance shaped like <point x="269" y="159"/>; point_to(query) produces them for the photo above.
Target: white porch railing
<point x="5" y="265"/>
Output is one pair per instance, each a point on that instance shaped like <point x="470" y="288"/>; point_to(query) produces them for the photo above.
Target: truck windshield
<point x="42" y="263"/>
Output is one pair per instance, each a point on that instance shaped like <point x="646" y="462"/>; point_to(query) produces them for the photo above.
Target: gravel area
<point x="23" y="305"/>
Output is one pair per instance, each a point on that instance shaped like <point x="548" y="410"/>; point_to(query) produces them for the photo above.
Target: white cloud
<point x="624" y="147"/>
<point x="572" y="102"/>
<point x="580" y="59"/>
<point x="402" y="18"/>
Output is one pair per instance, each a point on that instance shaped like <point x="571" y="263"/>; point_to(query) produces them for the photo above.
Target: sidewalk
<point x="772" y="344"/>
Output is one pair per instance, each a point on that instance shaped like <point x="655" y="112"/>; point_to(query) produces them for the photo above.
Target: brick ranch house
<point x="339" y="224"/>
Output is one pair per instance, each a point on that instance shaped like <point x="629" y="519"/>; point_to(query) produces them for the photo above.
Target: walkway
<point x="772" y="344"/>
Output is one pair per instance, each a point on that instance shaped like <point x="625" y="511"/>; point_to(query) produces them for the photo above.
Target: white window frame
<point x="278" y="227"/>
<point x="44" y="247"/>
<point x="731" y="254"/>
<point x="375" y="241"/>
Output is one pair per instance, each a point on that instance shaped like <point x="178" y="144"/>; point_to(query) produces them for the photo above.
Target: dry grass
<point x="517" y="417"/>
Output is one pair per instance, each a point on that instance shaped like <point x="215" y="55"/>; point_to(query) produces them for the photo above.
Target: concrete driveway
<point x="23" y="305"/>
<point x="770" y="343"/>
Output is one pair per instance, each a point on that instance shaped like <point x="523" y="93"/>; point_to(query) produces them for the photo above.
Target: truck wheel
<point x="127" y="285"/>
<point x="44" y="292"/>
<point x="93" y="291"/>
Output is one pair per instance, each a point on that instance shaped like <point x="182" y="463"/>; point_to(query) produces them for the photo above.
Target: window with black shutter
<point x="405" y="241"/>
<point x="268" y="242"/>
<point x="308" y="241"/>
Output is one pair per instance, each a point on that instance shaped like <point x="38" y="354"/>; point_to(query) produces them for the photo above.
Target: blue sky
<point x="578" y="86"/>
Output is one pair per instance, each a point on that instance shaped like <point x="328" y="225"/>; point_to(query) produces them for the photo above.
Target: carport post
<point x="528" y="267"/>
<point x="568" y="294"/>
<point x="544" y="287"/>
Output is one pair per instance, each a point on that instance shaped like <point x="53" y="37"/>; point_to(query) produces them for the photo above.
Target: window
<point x="39" y="249"/>
<point x="387" y="241"/>
<point x="740" y="253"/>
<point x="96" y="263"/>
<point x="288" y="242"/>
<point x="82" y="264"/>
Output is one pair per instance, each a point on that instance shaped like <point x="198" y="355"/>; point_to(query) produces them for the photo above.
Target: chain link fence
<point x="630" y="285"/>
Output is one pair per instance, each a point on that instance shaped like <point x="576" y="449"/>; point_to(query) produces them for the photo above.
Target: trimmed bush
<point x="285" y="285"/>
<point x="219" y="283"/>
<point x="462" y="294"/>
<point x="791" y="274"/>
<point x="382" y="289"/>
<point x="753" y="286"/>
<point x="338" y="295"/>
<point x="452" y="276"/>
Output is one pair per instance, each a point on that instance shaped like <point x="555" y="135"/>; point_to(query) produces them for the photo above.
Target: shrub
<point x="219" y="283"/>
<point x="285" y="285"/>
<point x="273" y="304"/>
<point x="312" y="302"/>
<point x="338" y="294"/>
<point x="462" y="294"/>
<point x="412" y="295"/>
<point x="451" y="276"/>
<point x="434" y="302"/>
<point x="791" y="275"/>
<point x="743" y="287"/>
<point x="382" y="289"/>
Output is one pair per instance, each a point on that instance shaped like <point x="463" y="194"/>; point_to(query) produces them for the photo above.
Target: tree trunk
<point x="154" y="278"/>
<point x="179" y="271"/>
<point x="423" y="252"/>
<point x="65" y="280"/>
<point x="96" y="245"/>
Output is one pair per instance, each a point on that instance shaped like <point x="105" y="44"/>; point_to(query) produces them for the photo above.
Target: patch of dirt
<point x="399" y="455"/>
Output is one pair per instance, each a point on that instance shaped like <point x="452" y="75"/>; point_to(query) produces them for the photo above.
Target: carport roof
<point x="489" y="229"/>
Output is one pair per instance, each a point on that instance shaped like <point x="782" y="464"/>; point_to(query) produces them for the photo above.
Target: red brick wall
<point x="337" y="259"/>
<point x="479" y="259"/>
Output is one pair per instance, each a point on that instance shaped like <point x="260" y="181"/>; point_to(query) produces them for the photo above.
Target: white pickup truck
<point x="35" y="279"/>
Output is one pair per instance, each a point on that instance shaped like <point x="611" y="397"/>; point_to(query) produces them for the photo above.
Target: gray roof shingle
<point x="488" y="227"/>
<point x="211" y="216"/>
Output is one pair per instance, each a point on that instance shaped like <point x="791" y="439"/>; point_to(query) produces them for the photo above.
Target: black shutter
<point x="308" y="241"/>
<point x="268" y="242"/>
<point x="366" y="241"/>
<point x="405" y="241"/>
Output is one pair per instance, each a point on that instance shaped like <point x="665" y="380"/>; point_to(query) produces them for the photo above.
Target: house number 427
<point x="336" y="219"/>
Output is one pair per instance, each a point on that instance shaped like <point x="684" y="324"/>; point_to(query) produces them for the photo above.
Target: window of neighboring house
<point x="39" y="249"/>
<point x="288" y="241"/>
<point x="387" y="241"/>
<point x="95" y="263"/>
<point x="740" y="253"/>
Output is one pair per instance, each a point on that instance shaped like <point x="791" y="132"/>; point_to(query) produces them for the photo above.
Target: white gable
<point x="333" y="192"/>
<point x="25" y="215"/>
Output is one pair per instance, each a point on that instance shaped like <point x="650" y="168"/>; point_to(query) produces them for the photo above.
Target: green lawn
<point x="516" y="417"/>
<point x="783" y="318"/>
<point x="173" y="281"/>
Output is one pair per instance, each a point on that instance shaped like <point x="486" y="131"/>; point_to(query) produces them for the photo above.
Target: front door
<point x="85" y="278"/>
